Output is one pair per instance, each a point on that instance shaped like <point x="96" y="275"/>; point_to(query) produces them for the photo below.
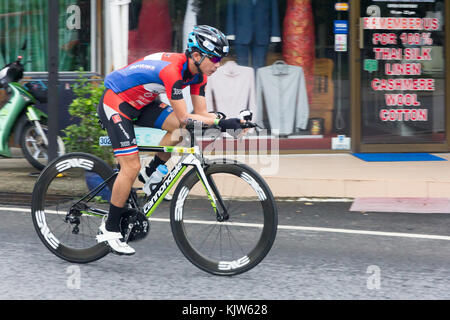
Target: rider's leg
<point x="129" y="169"/>
<point x="159" y="116"/>
<point x="170" y="139"/>
<point x="110" y="229"/>
<point x="121" y="132"/>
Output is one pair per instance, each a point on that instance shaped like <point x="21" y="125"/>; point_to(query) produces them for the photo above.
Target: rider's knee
<point x="131" y="166"/>
<point x="171" y="123"/>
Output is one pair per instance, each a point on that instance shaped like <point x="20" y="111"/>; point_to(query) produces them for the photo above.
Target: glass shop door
<point x="400" y="76"/>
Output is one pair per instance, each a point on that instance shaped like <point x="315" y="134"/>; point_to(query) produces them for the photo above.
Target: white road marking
<point x="321" y="200"/>
<point x="317" y="229"/>
<point x="289" y="227"/>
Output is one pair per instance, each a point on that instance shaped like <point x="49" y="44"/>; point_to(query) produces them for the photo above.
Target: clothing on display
<point x="153" y="32"/>
<point x="299" y="39"/>
<point x="281" y="94"/>
<point x="252" y="24"/>
<point x="231" y="89"/>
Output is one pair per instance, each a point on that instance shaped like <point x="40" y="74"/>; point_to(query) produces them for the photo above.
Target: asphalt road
<point x="322" y="251"/>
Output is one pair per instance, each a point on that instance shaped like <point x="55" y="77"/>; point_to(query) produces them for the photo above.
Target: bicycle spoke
<point x="63" y="192"/>
<point x="236" y="244"/>
<point x="211" y="229"/>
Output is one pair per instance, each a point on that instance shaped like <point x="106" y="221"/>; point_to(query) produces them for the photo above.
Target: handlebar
<point x="192" y="125"/>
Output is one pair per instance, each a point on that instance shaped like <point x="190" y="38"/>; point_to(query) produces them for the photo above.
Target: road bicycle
<point x="223" y="215"/>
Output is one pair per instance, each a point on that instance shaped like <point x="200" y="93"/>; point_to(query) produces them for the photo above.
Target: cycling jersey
<point x="130" y="89"/>
<point x="142" y="81"/>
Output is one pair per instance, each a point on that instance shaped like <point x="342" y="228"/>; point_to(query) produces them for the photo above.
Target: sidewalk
<point x="343" y="175"/>
<point x="310" y="175"/>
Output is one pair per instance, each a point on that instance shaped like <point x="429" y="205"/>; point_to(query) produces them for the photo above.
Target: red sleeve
<point x="173" y="82"/>
<point x="199" y="88"/>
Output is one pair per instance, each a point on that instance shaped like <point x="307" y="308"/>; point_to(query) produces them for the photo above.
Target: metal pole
<point x="53" y="51"/>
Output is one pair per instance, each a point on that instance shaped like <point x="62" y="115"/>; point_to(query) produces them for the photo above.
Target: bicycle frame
<point x="192" y="157"/>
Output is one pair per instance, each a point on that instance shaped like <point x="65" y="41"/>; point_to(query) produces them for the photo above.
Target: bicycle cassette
<point x="134" y="225"/>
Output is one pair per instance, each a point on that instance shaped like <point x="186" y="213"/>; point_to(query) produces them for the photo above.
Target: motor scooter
<point x="20" y="116"/>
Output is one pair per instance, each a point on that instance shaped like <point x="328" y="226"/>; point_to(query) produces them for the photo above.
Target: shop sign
<point x="341" y="6"/>
<point x="341" y="26"/>
<point x="340" y="42"/>
<point x="370" y="65"/>
<point x="398" y="48"/>
<point x="341" y="142"/>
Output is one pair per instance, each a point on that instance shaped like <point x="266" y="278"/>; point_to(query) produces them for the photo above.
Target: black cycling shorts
<point x="119" y="118"/>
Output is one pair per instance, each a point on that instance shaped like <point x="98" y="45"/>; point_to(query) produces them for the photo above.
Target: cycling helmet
<point x="208" y="40"/>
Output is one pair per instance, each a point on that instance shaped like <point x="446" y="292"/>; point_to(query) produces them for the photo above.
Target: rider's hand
<point x="235" y="125"/>
<point x="220" y="115"/>
<point x="230" y="124"/>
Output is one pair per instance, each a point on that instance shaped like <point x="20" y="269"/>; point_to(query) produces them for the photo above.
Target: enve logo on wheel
<point x="42" y="224"/>
<point x="74" y="163"/>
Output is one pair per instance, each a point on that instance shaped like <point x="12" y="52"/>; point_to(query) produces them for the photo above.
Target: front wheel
<point x="33" y="146"/>
<point x="244" y="238"/>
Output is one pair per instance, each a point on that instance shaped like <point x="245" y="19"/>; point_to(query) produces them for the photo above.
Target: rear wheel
<point x="33" y="146"/>
<point x="242" y="240"/>
<point x="66" y="212"/>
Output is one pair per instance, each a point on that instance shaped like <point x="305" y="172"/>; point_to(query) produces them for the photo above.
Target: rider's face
<point x="207" y="66"/>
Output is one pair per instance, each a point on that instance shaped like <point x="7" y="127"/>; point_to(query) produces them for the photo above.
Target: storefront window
<point x="24" y="31"/>
<point x="288" y="61"/>
<point x="403" y="81"/>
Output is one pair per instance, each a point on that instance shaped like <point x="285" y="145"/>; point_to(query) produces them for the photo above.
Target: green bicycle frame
<point x="191" y="159"/>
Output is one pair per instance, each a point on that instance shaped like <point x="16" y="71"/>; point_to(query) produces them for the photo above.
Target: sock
<point x="153" y="165"/>
<point x="112" y="224"/>
<point x="156" y="161"/>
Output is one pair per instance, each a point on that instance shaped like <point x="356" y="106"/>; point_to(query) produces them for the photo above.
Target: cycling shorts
<point x="119" y="117"/>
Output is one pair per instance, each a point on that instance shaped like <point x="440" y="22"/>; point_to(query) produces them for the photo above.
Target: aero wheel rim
<point x="67" y="228"/>
<point x="226" y="246"/>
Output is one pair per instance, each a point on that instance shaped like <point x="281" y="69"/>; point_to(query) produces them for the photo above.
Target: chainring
<point x="140" y="225"/>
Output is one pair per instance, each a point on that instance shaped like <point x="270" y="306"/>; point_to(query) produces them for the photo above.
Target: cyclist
<point x="131" y="97"/>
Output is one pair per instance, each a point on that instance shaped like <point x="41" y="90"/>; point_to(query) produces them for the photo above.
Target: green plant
<point x="84" y="136"/>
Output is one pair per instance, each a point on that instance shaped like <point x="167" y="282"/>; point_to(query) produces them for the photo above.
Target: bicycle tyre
<point x="41" y="219"/>
<point x="180" y="221"/>
<point x="29" y="147"/>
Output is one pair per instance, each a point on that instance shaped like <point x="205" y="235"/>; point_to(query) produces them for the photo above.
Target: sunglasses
<point x="214" y="59"/>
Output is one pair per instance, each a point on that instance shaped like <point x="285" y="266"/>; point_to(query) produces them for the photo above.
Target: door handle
<point x="361" y="33"/>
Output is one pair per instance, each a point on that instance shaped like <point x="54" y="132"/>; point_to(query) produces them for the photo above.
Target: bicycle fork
<point x="210" y="188"/>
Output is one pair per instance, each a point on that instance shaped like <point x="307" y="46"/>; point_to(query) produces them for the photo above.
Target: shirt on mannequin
<point x="231" y="89"/>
